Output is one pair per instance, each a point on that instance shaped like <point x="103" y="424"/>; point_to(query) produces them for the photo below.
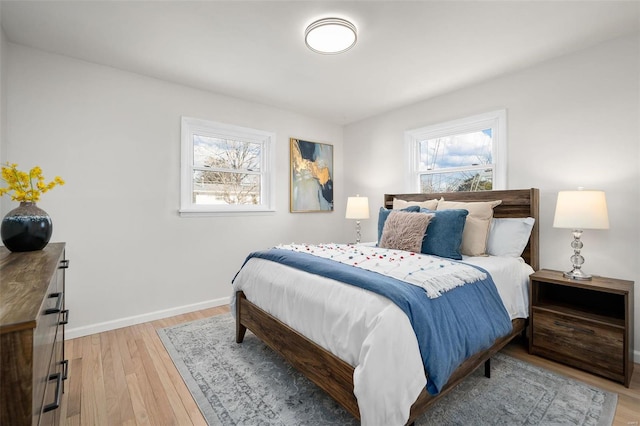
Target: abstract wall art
<point x="311" y="176"/>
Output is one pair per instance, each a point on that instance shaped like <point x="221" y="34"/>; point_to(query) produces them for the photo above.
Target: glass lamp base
<point x="577" y="274"/>
<point x="577" y="260"/>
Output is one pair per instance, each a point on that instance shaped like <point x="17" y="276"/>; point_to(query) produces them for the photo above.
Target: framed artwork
<point x="311" y="177"/>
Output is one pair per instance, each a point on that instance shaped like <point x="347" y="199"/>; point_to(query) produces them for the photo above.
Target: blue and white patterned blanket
<point x="435" y="275"/>
<point x="450" y="327"/>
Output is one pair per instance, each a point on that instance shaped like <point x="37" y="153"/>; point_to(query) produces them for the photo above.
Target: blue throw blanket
<point x="449" y="329"/>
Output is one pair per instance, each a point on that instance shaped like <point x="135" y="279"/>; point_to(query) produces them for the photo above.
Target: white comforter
<point x="365" y="329"/>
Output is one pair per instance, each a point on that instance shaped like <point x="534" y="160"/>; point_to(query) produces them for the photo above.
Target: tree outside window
<point x="225" y="168"/>
<point x="226" y="171"/>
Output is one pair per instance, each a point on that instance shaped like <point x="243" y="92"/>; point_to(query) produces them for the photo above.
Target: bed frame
<point x="335" y="376"/>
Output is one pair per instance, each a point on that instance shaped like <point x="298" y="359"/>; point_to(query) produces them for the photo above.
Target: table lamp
<point x="357" y="208"/>
<point x="579" y="210"/>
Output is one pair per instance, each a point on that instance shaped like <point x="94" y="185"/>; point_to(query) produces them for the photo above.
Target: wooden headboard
<point x="515" y="203"/>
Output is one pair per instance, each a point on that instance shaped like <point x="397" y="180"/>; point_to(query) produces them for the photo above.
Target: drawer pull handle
<point x="58" y="307"/>
<point x="65" y="369"/>
<point x="64" y="264"/>
<point x="65" y="317"/>
<point x="573" y="327"/>
<point x="58" y="378"/>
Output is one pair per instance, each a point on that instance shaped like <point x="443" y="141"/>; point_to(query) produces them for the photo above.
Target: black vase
<point x="26" y="228"/>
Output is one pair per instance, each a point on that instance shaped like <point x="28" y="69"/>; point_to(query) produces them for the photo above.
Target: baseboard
<point x="72" y="333"/>
<point x="636" y="357"/>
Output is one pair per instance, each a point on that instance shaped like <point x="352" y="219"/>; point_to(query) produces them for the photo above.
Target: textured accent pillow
<point x="384" y="213"/>
<point x="476" y="228"/>
<point x="428" y="204"/>
<point x="405" y="231"/>
<point x="509" y="236"/>
<point x="444" y="234"/>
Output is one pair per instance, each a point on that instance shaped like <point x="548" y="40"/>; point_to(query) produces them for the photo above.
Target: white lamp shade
<point x="581" y="210"/>
<point x="357" y="208"/>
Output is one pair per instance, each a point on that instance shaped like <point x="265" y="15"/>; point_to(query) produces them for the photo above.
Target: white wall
<point x="115" y="138"/>
<point x="572" y="121"/>
<point x="3" y="101"/>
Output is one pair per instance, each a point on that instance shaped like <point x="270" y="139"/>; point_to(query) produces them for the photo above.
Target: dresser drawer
<point x="579" y="342"/>
<point x="49" y="414"/>
<point x="44" y="338"/>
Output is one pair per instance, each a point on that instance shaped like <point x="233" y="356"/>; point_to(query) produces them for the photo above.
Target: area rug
<point x="249" y="384"/>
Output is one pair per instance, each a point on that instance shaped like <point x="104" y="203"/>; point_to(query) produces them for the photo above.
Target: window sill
<point x="207" y="213"/>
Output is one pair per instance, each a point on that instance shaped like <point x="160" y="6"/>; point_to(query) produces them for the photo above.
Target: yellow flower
<point x="26" y="186"/>
<point x="19" y="196"/>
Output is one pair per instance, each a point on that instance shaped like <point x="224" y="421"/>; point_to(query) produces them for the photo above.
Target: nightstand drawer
<point x="580" y="341"/>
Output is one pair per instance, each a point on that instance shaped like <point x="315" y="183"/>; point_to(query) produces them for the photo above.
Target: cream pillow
<point x="405" y="231"/>
<point x="476" y="229"/>
<point x="401" y="204"/>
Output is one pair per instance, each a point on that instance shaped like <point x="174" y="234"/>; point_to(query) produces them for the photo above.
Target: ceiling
<point x="406" y="51"/>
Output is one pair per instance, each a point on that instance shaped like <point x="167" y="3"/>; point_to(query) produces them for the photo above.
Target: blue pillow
<point x="384" y="214"/>
<point x="444" y="233"/>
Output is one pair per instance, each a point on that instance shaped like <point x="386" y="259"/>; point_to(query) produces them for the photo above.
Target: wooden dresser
<point x="32" y="319"/>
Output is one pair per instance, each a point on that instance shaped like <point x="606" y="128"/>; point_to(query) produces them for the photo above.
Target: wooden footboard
<point x="329" y="372"/>
<point x="425" y="400"/>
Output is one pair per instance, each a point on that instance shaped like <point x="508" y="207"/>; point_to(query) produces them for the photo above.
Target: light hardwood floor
<point x="125" y="377"/>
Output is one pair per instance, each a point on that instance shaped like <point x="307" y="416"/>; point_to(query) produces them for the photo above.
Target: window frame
<point x="495" y="120"/>
<point x="191" y="126"/>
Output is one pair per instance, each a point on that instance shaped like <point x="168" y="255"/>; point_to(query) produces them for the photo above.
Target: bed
<point x="288" y="331"/>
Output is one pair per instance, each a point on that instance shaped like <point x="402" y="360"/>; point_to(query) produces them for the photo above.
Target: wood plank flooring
<point x="125" y="377"/>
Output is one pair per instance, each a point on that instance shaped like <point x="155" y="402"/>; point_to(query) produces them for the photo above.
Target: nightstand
<point x="585" y="324"/>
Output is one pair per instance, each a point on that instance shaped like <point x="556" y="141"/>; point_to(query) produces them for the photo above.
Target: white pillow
<point x="509" y="236"/>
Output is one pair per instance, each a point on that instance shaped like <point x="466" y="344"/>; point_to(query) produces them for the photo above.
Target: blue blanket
<point x="449" y="329"/>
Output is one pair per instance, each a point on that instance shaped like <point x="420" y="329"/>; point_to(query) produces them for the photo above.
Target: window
<point x="225" y="169"/>
<point x="462" y="155"/>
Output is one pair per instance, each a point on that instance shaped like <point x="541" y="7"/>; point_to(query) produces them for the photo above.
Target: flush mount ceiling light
<point x="330" y="36"/>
